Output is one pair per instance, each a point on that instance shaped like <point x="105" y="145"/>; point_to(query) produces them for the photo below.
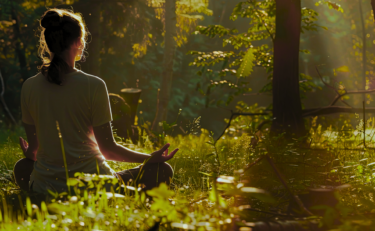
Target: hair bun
<point x="50" y="19"/>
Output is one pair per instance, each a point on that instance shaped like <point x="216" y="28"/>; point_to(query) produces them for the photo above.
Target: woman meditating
<point x="79" y="102"/>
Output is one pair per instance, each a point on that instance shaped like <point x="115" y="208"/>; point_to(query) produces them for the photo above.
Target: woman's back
<point x="79" y="102"/>
<point x="78" y="105"/>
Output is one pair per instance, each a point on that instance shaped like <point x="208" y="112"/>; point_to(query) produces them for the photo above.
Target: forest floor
<point x="215" y="186"/>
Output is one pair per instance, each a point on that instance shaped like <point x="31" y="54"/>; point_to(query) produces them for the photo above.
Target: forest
<point x="270" y="103"/>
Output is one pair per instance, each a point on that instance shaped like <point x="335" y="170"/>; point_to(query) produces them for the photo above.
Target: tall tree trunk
<point x="169" y="52"/>
<point x="19" y="51"/>
<point x="287" y="109"/>
<point x="92" y="65"/>
<point x="364" y="48"/>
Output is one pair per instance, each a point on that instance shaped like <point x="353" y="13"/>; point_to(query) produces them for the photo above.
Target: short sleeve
<point x="26" y="115"/>
<point x="101" y="110"/>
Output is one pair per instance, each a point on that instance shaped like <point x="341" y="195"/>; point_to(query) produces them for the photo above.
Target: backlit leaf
<point x="343" y="69"/>
<point x="247" y="64"/>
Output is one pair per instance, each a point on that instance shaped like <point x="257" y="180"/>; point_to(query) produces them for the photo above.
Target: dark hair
<point x="60" y="29"/>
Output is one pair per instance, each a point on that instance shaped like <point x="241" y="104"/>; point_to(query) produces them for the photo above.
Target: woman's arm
<point x="113" y="151"/>
<point x="30" y="149"/>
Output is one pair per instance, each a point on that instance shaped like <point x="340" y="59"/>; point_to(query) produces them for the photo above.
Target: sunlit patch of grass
<point x="95" y="211"/>
<point x="10" y="153"/>
<point x="194" y="201"/>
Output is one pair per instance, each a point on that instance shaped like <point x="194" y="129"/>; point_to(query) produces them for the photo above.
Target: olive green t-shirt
<point x="80" y="104"/>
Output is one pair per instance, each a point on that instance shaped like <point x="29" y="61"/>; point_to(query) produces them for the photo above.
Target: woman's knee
<point x="24" y="165"/>
<point x="165" y="172"/>
<point x="22" y="171"/>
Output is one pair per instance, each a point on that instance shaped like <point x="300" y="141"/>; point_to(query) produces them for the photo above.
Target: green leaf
<point x="161" y="192"/>
<point x="204" y="173"/>
<point x="75" y="181"/>
<point x="264" y="197"/>
<point x="331" y="5"/>
<point x="196" y="16"/>
<point x="209" y="155"/>
<point x="28" y="206"/>
<point x="247" y="64"/>
<point x="252" y="190"/>
<point x="343" y="69"/>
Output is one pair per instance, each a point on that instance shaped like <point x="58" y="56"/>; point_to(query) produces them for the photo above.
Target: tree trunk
<point x="287" y="109"/>
<point x="19" y="51"/>
<point x="169" y="51"/>
<point x="92" y="65"/>
<point x="373" y="7"/>
<point x="364" y="48"/>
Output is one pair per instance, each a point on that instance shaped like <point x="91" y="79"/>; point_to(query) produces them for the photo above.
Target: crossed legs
<point x="153" y="174"/>
<point x="22" y="171"/>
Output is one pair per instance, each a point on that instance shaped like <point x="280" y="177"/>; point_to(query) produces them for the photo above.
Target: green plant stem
<point x="64" y="157"/>
<point x="364" y="124"/>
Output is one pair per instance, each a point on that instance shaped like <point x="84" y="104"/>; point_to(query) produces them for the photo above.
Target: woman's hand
<point x="162" y="155"/>
<point x="25" y="146"/>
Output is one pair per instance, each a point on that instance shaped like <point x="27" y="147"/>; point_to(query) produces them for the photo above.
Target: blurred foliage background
<point x="126" y="49"/>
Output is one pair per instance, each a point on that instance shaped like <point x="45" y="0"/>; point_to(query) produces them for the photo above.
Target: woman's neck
<point x="69" y="57"/>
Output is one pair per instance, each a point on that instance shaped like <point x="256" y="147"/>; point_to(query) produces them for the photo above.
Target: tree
<point x="92" y="13"/>
<point x="175" y="13"/>
<point x="257" y="47"/>
<point x="17" y="37"/>
<point x="287" y="109"/>
<point x="273" y="40"/>
<point x="167" y="74"/>
<point x="364" y="45"/>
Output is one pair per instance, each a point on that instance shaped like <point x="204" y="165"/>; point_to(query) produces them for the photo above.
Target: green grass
<point x="195" y="200"/>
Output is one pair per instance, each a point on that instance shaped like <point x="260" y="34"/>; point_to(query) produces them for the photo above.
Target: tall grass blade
<point x="63" y="152"/>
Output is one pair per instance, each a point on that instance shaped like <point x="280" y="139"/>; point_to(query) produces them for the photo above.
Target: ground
<point x="214" y="186"/>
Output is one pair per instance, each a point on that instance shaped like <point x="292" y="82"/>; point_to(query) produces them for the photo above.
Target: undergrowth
<point x="214" y="187"/>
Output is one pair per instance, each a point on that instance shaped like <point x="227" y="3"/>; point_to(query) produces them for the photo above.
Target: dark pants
<point x="153" y="174"/>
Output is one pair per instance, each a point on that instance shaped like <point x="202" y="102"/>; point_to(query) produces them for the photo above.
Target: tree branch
<point x="331" y="109"/>
<point x="234" y="114"/>
<point x="3" y="101"/>
<point x="264" y="24"/>
<point x="258" y="93"/>
<point x="325" y="83"/>
<point x="339" y="96"/>
<point x="334" y="109"/>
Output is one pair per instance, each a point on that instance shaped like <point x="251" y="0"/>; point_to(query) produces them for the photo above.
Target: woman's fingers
<point x="162" y="155"/>
<point x="158" y="154"/>
<point x="170" y="156"/>
<point x="26" y="144"/>
<point x="163" y="149"/>
<point x="23" y="144"/>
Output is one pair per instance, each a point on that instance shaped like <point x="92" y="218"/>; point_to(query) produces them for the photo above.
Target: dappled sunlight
<point x="268" y="102"/>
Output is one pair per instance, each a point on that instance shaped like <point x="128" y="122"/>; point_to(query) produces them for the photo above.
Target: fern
<point x="247" y="64"/>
